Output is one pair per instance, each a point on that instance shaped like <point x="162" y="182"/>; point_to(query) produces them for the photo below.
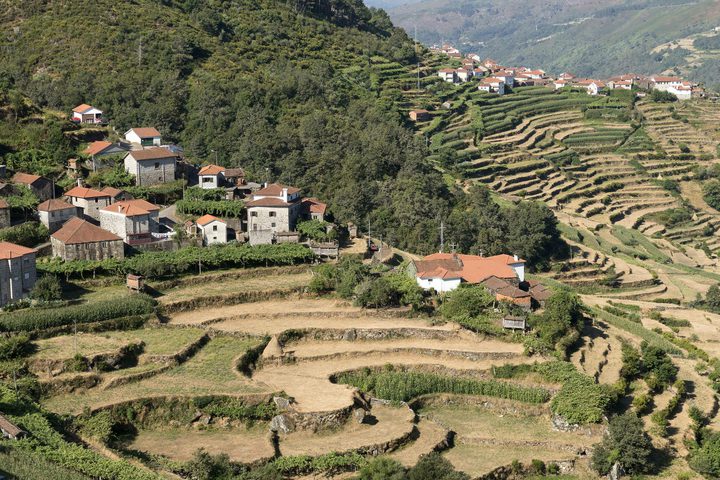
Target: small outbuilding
<point x="212" y="229"/>
<point x="10" y="430"/>
<point x="79" y="239"/>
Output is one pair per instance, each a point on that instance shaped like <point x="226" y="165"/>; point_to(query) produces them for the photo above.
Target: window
<point x="273" y="214"/>
<point x="27" y="276"/>
<point x="52" y="214"/>
<point x="255" y="227"/>
<point x="157" y="165"/>
<point x="253" y="214"/>
<point x="272" y="225"/>
<point x="214" y="228"/>
<point x="208" y="179"/>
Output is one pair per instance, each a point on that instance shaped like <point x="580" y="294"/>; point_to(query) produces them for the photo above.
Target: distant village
<point x="497" y="79"/>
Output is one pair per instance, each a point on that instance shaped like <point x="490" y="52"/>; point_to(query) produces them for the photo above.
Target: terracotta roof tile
<point x="10" y="250"/>
<point x="211" y="170"/>
<point x="145" y="132"/>
<point x="82" y="108"/>
<point x="53" y="205"/>
<point x="205" y="219"/>
<point x="267" y="202"/>
<point x="151" y="154"/>
<point x="315" y="205"/>
<point x="4" y="203"/>
<point x="76" y="230"/>
<point x="112" y="191"/>
<point x="131" y="208"/>
<point x="9" y="427"/>
<point x="275" y="190"/>
<point x="25" y="178"/>
<point x="96" y="147"/>
<point x="85" y="192"/>
<point x="471" y="268"/>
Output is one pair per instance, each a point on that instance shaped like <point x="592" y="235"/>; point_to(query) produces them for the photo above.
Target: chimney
<point x="79" y="182"/>
<point x="516" y="258"/>
<point x="285" y="194"/>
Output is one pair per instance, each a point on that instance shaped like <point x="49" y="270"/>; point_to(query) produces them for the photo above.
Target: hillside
<point x="587" y="37"/>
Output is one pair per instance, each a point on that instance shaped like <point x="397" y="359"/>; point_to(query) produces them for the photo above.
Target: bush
<point x="376" y="293"/>
<point x="627" y="443"/>
<point x="641" y="403"/>
<point x="39" y="318"/>
<point x="658" y="365"/>
<point x="466" y="301"/>
<point x="711" y="193"/>
<point x="434" y="466"/>
<point x="15" y="346"/>
<point x="382" y="468"/>
<point x="706" y="459"/>
<point x="581" y="400"/>
<point x="317" y="230"/>
<point x="47" y="289"/>
<point x="663" y="97"/>
<point x="28" y="234"/>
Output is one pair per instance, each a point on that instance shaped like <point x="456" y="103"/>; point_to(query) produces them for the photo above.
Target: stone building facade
<point x="152" y="166"/>
<point x="89" y="200"/>
<point x="132" y="220"/>
<point x="4" y="214"/>
<point x="54" y="213"/>
<point x="17" y="272"/>
<point x="79" y="239"/>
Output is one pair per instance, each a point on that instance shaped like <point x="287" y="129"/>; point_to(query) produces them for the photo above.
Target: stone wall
<point x="88" y="251"/>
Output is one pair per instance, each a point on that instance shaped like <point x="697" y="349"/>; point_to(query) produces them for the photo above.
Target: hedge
<point x="185" y="260"/>
<point x="220" y="208"/>
<point x="42" y="318"/>
<point x="404" y="386"/>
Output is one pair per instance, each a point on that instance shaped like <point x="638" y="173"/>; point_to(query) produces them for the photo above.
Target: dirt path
<point x="429" y="435"/>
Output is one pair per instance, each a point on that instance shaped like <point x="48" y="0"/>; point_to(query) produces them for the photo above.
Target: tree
<point x="376" y="292"/>
<point x="204" y="466"/>
<point x="466" y="302"/>
<point x="658" y="366"/>
<point x="382" y="468"/>
<point x="712" y="299"/>
<point x="434" y="466"/>
<point x="711" y="193"/>
<point x="626" y="443"/>
<point x="706" y="459"/>
<point x="47" y="289"/>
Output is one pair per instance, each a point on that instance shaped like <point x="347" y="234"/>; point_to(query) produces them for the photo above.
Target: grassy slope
<point x="613" y="40"/>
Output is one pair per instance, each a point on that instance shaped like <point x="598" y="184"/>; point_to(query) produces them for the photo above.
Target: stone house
<point x="17" y="272"/>
<point x="116" y="194"/>
<point x="79" y="239"/>
<point x="132" y="220"/>
<point x="9" y="430"/>
<point x="97" y="150"/>
<point x="89" y="200"/>
<point x="54" y="213"/>
<point x="444" y="272"/>
<point x="212" y="229"/>
<point x="144" y="137"/>
<point x="4" y="213"/>
<point x="275" y="208"/>
<point x="419" y="115"/>
<point x="151" y="166"/>
<point x="40" y="186"/>
<point x="313" y="209"/>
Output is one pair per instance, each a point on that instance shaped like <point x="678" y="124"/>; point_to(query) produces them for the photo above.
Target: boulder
<point x="281" y="403"/>
<point x="616" y="472"/>
<point x="350" y="335"/>
<point x="359" y="415"/>
<point x="273" y="349"/>
<point x="282" y="424"/>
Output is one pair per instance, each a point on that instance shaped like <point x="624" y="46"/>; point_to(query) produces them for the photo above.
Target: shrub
<point x="581" y="400"/>
<point x="711" y="193"/>
<point x="657" y="364"/>
<point x="641" y="403"/>
<point x="27" y="234"/>
<point x="434" y="466"/>
<point x="382" y="468"/>
<point x="376" y="293"/>
<point x="466" y="301"/>
<point x="15" y="346"/>
<point x="706" y="459"/>
<point x="47" y="289"/>
<point x="317" y="230"/>
<point x="626" y="443"/>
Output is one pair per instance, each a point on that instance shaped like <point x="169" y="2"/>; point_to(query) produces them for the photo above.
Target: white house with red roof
<point x="144" y="137"/>
<point x="132" y="220"/>
<point x="87" y="114"/>
<point x="212" y="229"/>
<point x="54" y="213"/>
<point x="448" y="75"/>
<point x="211" y="176"/>
<point x="151" y="166"/>
<point x="88" y="200"/>
<point x="275" y="208"/>
<point x="492" y="85"/>
<point x="444" y="272"/>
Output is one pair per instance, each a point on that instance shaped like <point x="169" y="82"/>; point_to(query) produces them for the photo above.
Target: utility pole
<point x="442" y="236"/>
<point x="418" y="59"/>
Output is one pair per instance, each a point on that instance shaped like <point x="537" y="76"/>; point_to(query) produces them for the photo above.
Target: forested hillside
<point x="590" y="38"/>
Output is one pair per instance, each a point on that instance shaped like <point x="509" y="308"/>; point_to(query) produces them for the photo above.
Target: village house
<point x="88" y="200"/>
<point x="97" y="150"/>
<point x="508" y="77"/>
<point x="473" y="56"/>
<point x="211" y="176"/>
<point x="560" y="83"/>
<point x="86" y="114"/>
<point x="448" y="75"/>
<point x="132" y="220"/>
<point x="592" y="87"/>
<point x="116" y="194"/>
<point x="444" y="272"/>
<point x="144" y="137"/>
<point x="419" y="115"/>
<point x="152" y="166"/>
<point x="54" y="213"/>
<point x="17" y="272"/>
<point x="212" y="229"/>
<point x="663" y="83"/>
<point x="480" y="71"/>
<point x="235" y="176"/>
<point x="464" y="74"/>
<point x="79" y="239"/>
<point x="275" y="208"/>
<point x="4" y="213"/>
<point x="313" y="209"/>
<point x="492" y="85"/>
<point x="489" y="63"/>
<point x="9" y="430"/>
<point x="567" y="76"/>
<point x="620" y="84"/>
<point x="40" y="186"/>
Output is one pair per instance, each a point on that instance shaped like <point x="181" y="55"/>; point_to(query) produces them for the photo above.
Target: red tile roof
<point x="76" y="230"/>
<point x="211" y="170"/>
<point x="85" y="192"/>
<point x="131" y="208"/>
<point x="267" y="202"/>
<point x="315" y="205"/>
<point x="471" y="268"/>
<point x="82" y="108"/>
<point x="112" y="191"/>
<point x="4" y="204"/>
<point x="275" y="190"/>
<point x="10" y="250"/>
<point x="96" y="147"/>
<point x="205" y="219"/>
<point x="53" y="205"/>
<point x="146" y="132"/>
<point x="25" y="178"/>
<point x="151" y="154"/>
